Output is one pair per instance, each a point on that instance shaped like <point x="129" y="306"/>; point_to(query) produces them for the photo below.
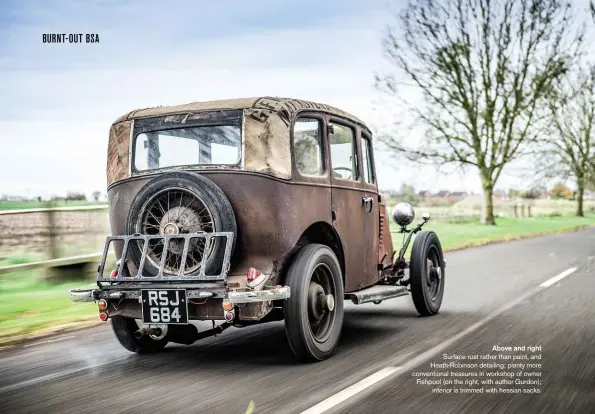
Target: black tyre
<point x="427" y="273"/>
<point x="178" y="203"/>
<point x="124" y="328"/>
<point x="314" y="311"/>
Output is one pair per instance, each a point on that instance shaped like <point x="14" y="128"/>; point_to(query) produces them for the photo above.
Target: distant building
<point x="424" y="194"/>
<point x="450" y="195"/>
<point x="500" y="195"/>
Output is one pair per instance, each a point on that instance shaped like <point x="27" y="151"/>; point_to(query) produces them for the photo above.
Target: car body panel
<point x="274" y="204"/>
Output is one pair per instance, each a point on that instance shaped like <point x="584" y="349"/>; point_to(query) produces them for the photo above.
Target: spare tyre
<point x="181" y="203"/>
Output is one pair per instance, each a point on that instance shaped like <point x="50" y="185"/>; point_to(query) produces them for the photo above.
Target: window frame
<point x="228" y="117"/>
<point x="356" y="151"/>
<point x="364" y="136"/>
<point x="322" y="144"/>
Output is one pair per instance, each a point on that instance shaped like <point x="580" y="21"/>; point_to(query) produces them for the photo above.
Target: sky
<point x="57" y="101"/>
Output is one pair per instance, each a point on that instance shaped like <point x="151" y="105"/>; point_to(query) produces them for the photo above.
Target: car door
<point x="348" y="212"/>
<point x="371" y="208"/>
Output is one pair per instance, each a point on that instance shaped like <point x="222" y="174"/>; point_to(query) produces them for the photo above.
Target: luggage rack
<point x="161" y="276"/>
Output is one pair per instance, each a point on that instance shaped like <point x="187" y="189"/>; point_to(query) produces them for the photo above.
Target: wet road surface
<point x="501" y="294"/>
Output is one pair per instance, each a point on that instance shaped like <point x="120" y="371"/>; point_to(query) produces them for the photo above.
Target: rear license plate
<point x="165" y="306"/>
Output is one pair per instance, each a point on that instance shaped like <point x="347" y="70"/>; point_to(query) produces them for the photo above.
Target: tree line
<point x="498" y="81"/>
<point x="408" y="194"/>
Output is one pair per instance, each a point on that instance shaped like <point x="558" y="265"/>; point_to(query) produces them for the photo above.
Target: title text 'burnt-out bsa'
<point x="247" y="211"/>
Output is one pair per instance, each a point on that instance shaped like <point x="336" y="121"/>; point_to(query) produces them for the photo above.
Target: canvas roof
<point x="288" y="105"/>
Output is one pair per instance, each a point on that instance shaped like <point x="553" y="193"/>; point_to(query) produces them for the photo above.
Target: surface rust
<point x="277" y="209"/>
<point x="271" y="214"/>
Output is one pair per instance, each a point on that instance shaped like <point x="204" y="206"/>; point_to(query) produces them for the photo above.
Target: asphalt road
<point x="495" y="295"/>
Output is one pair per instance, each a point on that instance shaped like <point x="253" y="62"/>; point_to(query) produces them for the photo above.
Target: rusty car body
<point x="246" y="211"/>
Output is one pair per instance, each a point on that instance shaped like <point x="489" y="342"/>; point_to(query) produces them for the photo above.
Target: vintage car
<point x="247" y="211"/>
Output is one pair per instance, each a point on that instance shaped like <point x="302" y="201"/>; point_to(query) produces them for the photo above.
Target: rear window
<point x="202" y="145"/>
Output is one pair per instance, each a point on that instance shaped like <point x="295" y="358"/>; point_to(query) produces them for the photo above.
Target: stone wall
<point x="76" y="232"/>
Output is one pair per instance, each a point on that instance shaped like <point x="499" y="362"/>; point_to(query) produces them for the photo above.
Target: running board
<point x="376" y="293"/>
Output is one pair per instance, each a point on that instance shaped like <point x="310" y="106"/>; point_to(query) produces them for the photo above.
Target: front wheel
<point x="426" y="272"/>
<point x="314" y="311"/>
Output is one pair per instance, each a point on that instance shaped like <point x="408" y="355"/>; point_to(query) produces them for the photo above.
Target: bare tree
<point x="482" y="67"/>
<point x="568" y="151"/>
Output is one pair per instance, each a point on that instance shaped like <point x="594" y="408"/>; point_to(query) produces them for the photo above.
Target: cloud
<point x="58" y="100"/>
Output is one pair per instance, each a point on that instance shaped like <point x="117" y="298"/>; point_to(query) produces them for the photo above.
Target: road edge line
<point x="350" y="391"/>
<point x="558" y="277"/>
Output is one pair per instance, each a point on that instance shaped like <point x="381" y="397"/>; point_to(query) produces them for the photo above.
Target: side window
<point x="343" y="154"/>
<point x="367" y="159"/>
<point x="307" y="146"/>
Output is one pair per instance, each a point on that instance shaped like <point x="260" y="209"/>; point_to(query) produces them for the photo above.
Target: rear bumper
<point x="82" y="295"/>
<point x="235" y="297"/>
<point x="277" y="293"/>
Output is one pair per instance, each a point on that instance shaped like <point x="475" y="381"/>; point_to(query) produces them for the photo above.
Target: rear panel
<point x="271" y="214"/>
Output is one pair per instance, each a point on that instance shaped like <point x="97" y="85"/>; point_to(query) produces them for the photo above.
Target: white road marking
<point x="351" y="391"/>
<point x="49" y="341"/>
<point x="394" y="372"/>
<point x="561" y="276"/>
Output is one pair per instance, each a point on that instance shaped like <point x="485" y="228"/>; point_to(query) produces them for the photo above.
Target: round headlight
<point x="403" y="214"/>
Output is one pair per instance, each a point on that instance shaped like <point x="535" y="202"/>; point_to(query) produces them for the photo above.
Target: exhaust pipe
<point x="156" y="332"/>
<point x="141" y="332"/>
<point x="153" y="331"/>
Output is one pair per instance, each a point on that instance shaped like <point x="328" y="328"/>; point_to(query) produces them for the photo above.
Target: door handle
<point x="370" y="201"/>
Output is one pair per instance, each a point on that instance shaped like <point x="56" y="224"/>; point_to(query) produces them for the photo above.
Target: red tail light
<point x="103" y="316"/>
<point x="114" y="273"/>
<point x="229" y="316"/>
<point x="252" y="274"/>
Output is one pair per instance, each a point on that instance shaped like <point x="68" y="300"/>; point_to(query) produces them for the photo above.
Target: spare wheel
<point x="181" y="203"/>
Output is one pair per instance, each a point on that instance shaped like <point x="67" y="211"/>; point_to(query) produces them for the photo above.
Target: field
<point x="30" y="305"/>
<point x="23" y="205"/>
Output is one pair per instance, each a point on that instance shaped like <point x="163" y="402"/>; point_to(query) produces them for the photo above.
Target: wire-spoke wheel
<point x="314" y="311"/>
<point x="181" y="203"/>
<point x="176" y="211"/>
<point x="426" y="271"/>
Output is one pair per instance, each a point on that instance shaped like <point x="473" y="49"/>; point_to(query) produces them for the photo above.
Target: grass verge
<point x="31" y="307"/>
<point x="455" y="236"/>
<point x="23" y="205"/>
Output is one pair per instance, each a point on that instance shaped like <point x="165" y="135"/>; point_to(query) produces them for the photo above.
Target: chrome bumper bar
<point x="82" y="295"/>
<point x="277" y="293"/>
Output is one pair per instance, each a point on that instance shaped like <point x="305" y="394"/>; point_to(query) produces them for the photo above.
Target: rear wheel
<point x="314" y="311"/>
<point x="124" y="328"/>
<point x="426" y="271"/>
